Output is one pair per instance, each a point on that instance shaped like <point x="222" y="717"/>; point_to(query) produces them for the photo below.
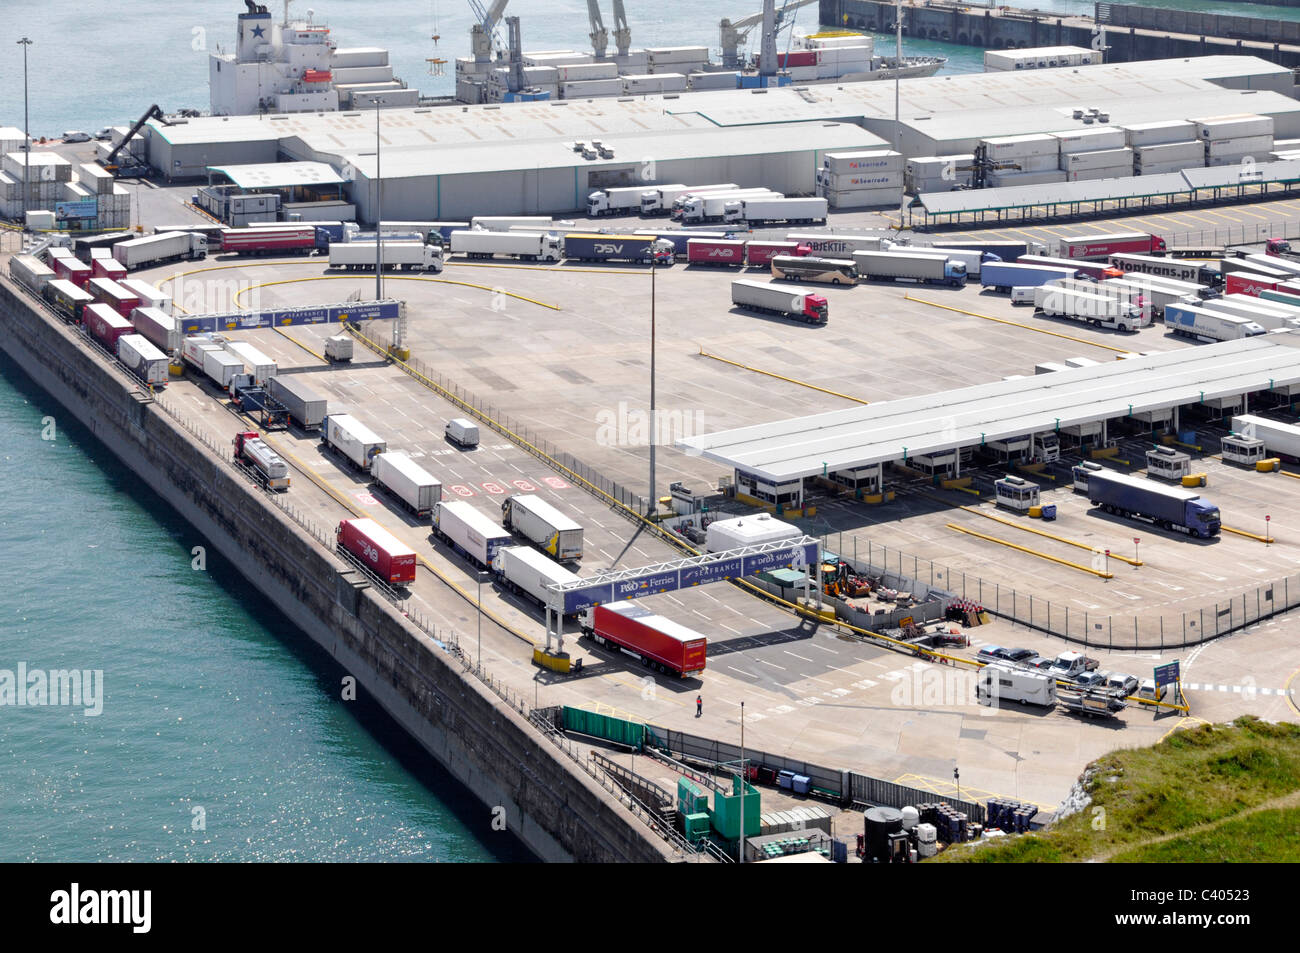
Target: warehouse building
<point x="451" y="161"/>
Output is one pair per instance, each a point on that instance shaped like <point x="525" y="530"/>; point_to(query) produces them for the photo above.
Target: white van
<point x="1022" y="295"/>
<point x="462" y="432"/>
<point x="999" y="682"/>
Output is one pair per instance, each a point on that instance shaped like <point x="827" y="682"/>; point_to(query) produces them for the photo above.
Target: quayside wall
<point x="557" y="811"/>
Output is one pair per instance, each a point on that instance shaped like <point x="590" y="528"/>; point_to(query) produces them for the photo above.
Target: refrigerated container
<point x="382" y="553"/>
<point x="405" y="479"/>
<point x="529" y="572"/>
<point x="659" y="642"/>
<point x="261" y="367"/>
<point x="105" y="324"/>
<point x="350" y="437"/>
<point x="543" y="525"/>
<point x="143" y="359"/>
<point x="477" y="536"/>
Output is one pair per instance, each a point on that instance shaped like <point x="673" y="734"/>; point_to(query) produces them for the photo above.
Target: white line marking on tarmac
<point x="701" y="615"/>
<point x="814" y="645"/>
<point x="773" y="664"/>
<point x="737" y="611"/>
<point x="814" y="679"/>
<point x="730" y="629"/>
<point x="865" y="684"/>
<point x="799" y="657"/>
<point x="742" y="672"/>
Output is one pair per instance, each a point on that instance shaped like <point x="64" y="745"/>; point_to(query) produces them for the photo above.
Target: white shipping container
<point x="220" y="367"/>
<point x="476" y="535"/>
<point x="353" y="439"/>
<point x="1241" y="146"/>
<point x="1026" y="178"/>
<point x="1159" y="133"/>
<point x="193" y="349"/>
<point x="1013" y="147"/>
<point x="528" y="571"/>
<point x="862" y="180"/>
<point x="1160" y="168"/>
<point x="865" y="198"/>
<point x="1036" y="163"/>
<point x="592" y="87"/>
<point x="148" y="294"/>
<point x="143" y="359"/>
<point x="715" y="80"/>
<point x="1106" y="158"/>
<point x="159" y="328"/>
<point x="1233" y="127"/>
<point x="677" y="54"/>
<point x="1090" y="140"/>
<point x="922" y="186"/>
<point x="1233" y="159"/>
<point x="877" y="160"/>
<point x="572" y="72"/>
<point x="1092" y="175"/>
<point x="257" y="363"/>
<point x="1192" y="150"/>
<point x="543" y="525"/>
<point x="407" y="480"/>
<point x="935" y="165"/>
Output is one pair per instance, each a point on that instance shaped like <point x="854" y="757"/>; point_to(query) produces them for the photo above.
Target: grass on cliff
<point x="1211" y="793"/>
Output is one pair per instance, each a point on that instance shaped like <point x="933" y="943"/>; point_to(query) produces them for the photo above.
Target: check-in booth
<point x="866" y="479"/>
<point x="942" y="464"/>
<point x="1168" y="463"/>
<point x="1246" y="451"/>
<point x="1016" y="493"/>
<point x="1080" y="472"/>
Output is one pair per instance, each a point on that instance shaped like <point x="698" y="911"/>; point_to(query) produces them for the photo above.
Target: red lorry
<point x="715" y="251"/>
<point x="760" y="254"/>
<point x="658" y="642"/>
<point x="1246" y="283"/>
<point x="109" y="292"/>
<point x="269" y="240"/>
<point x="72" y="269"/>
<point x="1102" y="246"/>
<point x="105" y="324"/>
<point x="378" y="550"/>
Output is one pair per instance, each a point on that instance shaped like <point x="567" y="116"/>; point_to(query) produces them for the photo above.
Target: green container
<point x="697" y="826"/>
<point x="690" y="799"/>
<point x="785" y="578"/>
<point x="630" y="733"/>
<point x="727" y="812"/>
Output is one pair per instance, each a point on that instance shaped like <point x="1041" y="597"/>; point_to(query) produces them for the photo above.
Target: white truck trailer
<point x="908" y="266"/>
<point x="412" y="486"/>
<point x="712" y="206"/>
<point x="530" y="246"/>
<point x="1196" y="322"/>
<point x="503" y="223"/>
<point x="661" y="199"/>
<point x="261" y="367"/>
<point x="1278" y="437"/>
<point x="766" y="211"/>
<point x="143" y="359"/>
<point x="465" y="528"/>
<point x="220" y="367"/>
<point x="150" y="296"/>
<point x="803" y="304"/>
<point x="1268" y="315"/>
<point x="350" y="437"/>
<point x="997" y="682"/>
<point x="1099" y="310"/>
<point x="154" y="250"/>
<point x="409" y="256"/>
<point x="543" y="525"/>
<point x="528" y="572"/>
<point x="159" y="327"/>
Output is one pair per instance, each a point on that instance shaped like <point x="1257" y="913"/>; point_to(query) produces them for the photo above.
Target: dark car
<point x="1018" y="655"/>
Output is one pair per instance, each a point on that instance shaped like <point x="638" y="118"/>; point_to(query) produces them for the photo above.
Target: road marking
<point x="810" y="701"/>
<point x="742" y="672"/>
<point x="1124" y="594"/>
<point x="1214" y="577"/>
<point x="756" y="716"/>
<point x="701" y="615"/>
<point x="841" y="692"/>
<point x="773" y="664"/>
<point x="823" y="648"/>
<point x="865" y="684"/>
<point x="870" y="661"/>
<point x="737" y="611"/>
<point x="781" y="709"/>
<point x="730" y="629"/>
<point x="799" y="657"/>
<point x="894" y="675"/>
<point x="1168" y="585"/>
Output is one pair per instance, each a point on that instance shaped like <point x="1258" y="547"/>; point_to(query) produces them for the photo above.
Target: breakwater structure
<point x="1131" y="33"/>
<point x="543" y="796"/>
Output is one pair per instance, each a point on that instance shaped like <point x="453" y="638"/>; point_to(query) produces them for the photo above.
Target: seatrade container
<point x="105" y="324"/>
<point x="378" y="550"/>
<point x="143" y="359"/>
<point x="662" y="642"/>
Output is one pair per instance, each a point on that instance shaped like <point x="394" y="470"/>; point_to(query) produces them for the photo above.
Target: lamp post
<point x="654" y="504"/>
<point x="379" y="213"/>
<point x="27" y="133"/>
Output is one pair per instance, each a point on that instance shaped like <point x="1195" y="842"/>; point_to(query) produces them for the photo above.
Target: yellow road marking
<point x="1103" y="574"/>
<point x="791" y="380"/>
<point x="1248" y="535"/>
<point x="1039" y="532"/>
<point x="1017" y="324"/>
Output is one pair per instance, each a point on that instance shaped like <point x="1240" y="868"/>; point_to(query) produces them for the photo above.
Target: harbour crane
<point x="734" y="32"/>
<point x="622" y="32"/>
<point x="599" y="35"/>
<point x="482" y="32"/>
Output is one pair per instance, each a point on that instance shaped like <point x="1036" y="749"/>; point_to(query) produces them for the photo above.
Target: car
<point x="1018" y="655"/>
<point x="104" y="134"/>
<point x="1090" y="680"/>
<point x="990" y="653"/>
<point x="1122" y="683"/>
<point x="1148" y="690"/>
<point x="75" y="137"/>
<point x="1038" y="661"/>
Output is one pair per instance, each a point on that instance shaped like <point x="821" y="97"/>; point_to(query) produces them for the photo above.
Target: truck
<point x="831" y="271"/>
<point x="503" y="223"/>
<point x="252" y="399"/>
<point x="643" y="249"/>
<point x="526" y="571"/>
<point x="67" y="268"/>
<point x="413" y="486"/>
<point x="835" y="246"/>
<point x="1070" y="665"/>
<point x="742" y="531"/>
<point x="1274" y="262"/>
<point x="259" y="366"/>
<point x="712" y="206"/>
<point x="1005" y="251"/>
<point x="896" y="265"/>
<point x="306" y="407"/>
<point x="66" y="298"/>
<point x="378" y="551"/>
<point x="715" y="251"/>
<point x="195" y="346"/>
<point x="997" y="682"/>
<point x="627" y="200"/>
<point x="1249" y="283"/>
<point x="1103" y="246"/>
<point x="30" y="272"/>
<point x="657" y="642"/>
<point x="1179" y="269"/>
<point x="660" y="199"/>
<point x="101" y="267"/>
<point x="256" y="456"/>
<point x="542" y="525"/>
<point x="469" y="531"/>
<point x="1002" y="276"/>
<point x="529" y="246"/>
<point x="1168" y="507"/>
<point x="1151" y="296"/>
<point x="759" y="254"/>
<point x="109" y="292"/>
<point x="1097" y="271"/>
<point x="1099" y="310"/>
<point x="220" y="367"/>
<point x="350" y="437"/>
<point x="150" y="296"/>
<point x="411" y="256"/>
<point x="1269" y="316"/>
<point x="339" y="348"/>
<point x="143" y="359"/>
<point x="800" y="303"/>
<point x="767" y="211"/>
<point x="270" y="239"/>
<point x="1195" y="322"/>
<point x="155" y="250"/>
<point x="105" y="325"/>
<point x="1281" y="439"/>
<point x="971" y="258"/>
<point x="83" y="247"/>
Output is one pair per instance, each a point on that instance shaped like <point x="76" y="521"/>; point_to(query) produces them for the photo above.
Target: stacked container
<point x="1231" y="140"/>
<point x="938" y="173"/>
<point x="676" y="59"/>
<point x="663" y="82"/>
<point x="1026" y="160"/>
<point x="861" y="179"/>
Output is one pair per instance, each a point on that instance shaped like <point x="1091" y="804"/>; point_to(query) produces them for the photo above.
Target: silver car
<point x="1118" y="681"/>
<point x="75" y="137"/>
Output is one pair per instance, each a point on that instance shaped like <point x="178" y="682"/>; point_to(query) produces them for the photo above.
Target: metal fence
<point x="1194" y="23"/>
<point x="1253" y="234"/>
<point x="871" y="791"/>
<point x="1097" y="629"/>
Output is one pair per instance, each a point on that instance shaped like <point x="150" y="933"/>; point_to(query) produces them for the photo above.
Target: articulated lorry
<point x="799" y="303"/>
<point x="715" y="251"/>
<point x="1279" y="438"/>
<point x="1103" y="246"/>
<point x="143" y="359"/>
<point x="254" y="455"/>
<point x="660" y="199"/>
<point x="529" y="246"/>
<point x="712" y="206"/>
<point x="411" y="256"/>
<point x="1179" y="269"/>
<point x="641" y="249"/>
<point x="1099" y="310"/>
<point x="1169" y="507"/>
<point x="306" y="407"/>
<point x="469" y="531"/>
<point x="627" y="200"/>
<point x="905" y="266"/>
<point x="767" y="211"/>
<point x="1197" y="322"/>
<point x="528" y="572"/>
<point x="350" y="437"/>
<point x="658" y="642"/>
<point x="408" y="482"/>
<point x="542" y="525"/>
<point x="160" y="249"/>
<point x="378" y="550"/>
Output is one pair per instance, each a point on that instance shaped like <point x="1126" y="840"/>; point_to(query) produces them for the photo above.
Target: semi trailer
<point x="1099" y="310"/>
<point x="660" y="199"/>
<point x="408" y="256"/>
<point x="306" y="407"/>
<point x="1169" y="507"/>
<point x="255" y="455"/>
<point x="905" y="266"/>
<point x="529" y="246"/>
<point x="408" y="482"/>
<point x="799" y="303"/>
<point x="715" y="251"/>
<point x="542" y="525"/>
<point x="270" y="239"/>
<point x="642" y="249"/>
<point x="768" y="211"/>
<point x="526" y="571"/>
<point x="353" y="439"/>
<point x="1103" y="246"/>
<point x="160" y="249"/>
<point x="378" y="550"/>
<point x="469" y="531"/>
<point x="143" y="359"/>
<point x="658" y="642"/>
<point x="1179" y="269"/>
<point x="1279" y="438"/>
<point x="1196" y="322"/>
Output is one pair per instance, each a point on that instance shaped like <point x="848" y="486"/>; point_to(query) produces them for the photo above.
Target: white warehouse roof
<point x="279" y="175"/>
<point x="878" y="433"/>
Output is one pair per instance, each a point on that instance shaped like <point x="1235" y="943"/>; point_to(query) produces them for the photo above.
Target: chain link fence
<point x="1092" y="628"/>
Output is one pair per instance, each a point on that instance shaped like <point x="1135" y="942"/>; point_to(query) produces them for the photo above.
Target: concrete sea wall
<point x="556" y="810"/>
